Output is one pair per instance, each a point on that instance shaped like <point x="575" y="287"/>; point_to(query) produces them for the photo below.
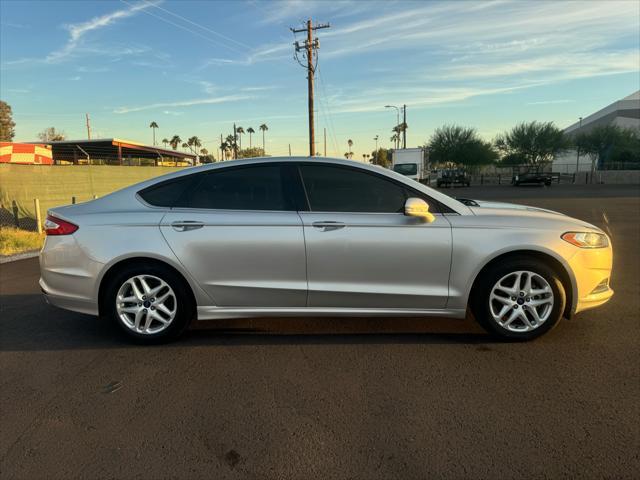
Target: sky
<point x="196" y="67"/>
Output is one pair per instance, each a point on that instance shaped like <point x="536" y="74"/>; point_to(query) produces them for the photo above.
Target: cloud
<point x="184" y="103"/>
<point x="550" y="102"/>
<point x="79" y="30"/>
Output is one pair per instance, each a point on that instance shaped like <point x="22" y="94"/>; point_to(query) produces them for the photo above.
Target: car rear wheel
<point x="149" y="303"/>
<point x="520" y="299"/>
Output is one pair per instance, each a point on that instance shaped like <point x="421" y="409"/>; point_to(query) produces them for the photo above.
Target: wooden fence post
<point x="16" y="219"/>
<point x="36" y="207"/>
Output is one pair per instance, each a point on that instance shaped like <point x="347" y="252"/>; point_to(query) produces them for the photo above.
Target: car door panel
<point x="248" y="259"/>
<point x="362" y="251"/>
<point x="384" y="260"/>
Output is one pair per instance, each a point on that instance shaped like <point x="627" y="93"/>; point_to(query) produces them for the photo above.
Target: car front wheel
<point x="150" y="304"/>
<point x="520" y="299"/>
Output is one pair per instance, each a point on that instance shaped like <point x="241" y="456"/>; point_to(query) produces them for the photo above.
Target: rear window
<point x="257" y="187"/>
<point x="167" y="193"/>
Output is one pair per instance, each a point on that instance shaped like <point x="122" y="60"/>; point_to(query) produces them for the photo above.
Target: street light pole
<point x="397" y="123"/>
<point x="578" y="150"/>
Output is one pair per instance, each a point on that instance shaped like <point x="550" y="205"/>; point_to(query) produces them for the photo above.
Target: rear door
<point x="238" y="234"/>
<point x="362" y="251"/>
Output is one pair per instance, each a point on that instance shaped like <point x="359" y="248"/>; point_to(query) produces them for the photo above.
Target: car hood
<point x="505" y="205"/>
<point x="501" y="213"/>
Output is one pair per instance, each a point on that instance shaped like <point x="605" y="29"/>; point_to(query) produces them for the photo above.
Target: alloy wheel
<point x="521" y="301"/>
<point x="146" y="304"/>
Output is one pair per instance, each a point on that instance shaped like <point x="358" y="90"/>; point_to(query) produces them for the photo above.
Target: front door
<point x="237" y="232"/>
<point x="362" y="251"/>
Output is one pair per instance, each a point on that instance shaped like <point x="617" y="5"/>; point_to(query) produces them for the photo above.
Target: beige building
<point x="624" y="113"/>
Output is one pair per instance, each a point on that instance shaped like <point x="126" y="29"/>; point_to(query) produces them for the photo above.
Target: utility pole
<point x="404" y="126"/>
<point x="88" y="126"/>
<point x="325" y="142"/>
<point x="235" y="142"/>
<point x="309" y="45"/>
<point x="289" y="149"/>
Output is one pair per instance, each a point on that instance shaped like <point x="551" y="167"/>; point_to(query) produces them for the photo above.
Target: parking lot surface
<point x="331" y="398"/>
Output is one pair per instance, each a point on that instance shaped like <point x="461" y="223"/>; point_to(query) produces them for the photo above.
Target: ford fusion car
<point x="316" y="237"/>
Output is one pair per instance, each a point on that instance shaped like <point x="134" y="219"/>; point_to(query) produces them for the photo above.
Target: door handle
<point x="186" y="225"/>
<point x="328" y="226"/>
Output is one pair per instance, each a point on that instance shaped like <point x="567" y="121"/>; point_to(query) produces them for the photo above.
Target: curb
<point x="19" y="256"/>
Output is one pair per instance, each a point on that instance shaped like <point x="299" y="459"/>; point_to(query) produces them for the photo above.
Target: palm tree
<point x="194" y="144"/>
<point x="395" y="138"/>
<point x="224" y="146"/>
<point x="175" y="141"/>
<point x="232" y="145"/>
<point x="185" y="145"/>
<point x="240" y="132"/>
<point x="346" y="155"/>
<point x="264" y="128"/>
<point x="153" y="127"/>
<point x="250" y="131"/>
<point x="350" y="143"/>
<point x="166" y="142"/>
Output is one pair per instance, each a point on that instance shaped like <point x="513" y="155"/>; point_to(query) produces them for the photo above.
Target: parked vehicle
<point x="410" y="162"/>
<point x="453" y="177"/>
<point x="293" y="236"/>
<point x="532" y="178"/>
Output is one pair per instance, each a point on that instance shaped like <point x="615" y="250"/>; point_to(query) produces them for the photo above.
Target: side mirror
<point x="416" y="207"/>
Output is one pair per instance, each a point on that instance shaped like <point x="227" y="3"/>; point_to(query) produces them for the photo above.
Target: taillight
<point x="57" y="226"/>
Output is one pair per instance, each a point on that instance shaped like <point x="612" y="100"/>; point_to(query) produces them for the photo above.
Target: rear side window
<point x="336" y="189"/>
<point x="247" y="188"/>
<point x="166" y="194"/>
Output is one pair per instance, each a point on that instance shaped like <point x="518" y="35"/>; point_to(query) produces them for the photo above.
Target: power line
<point x="199" y="25"/>
<point x="217" y="42"/>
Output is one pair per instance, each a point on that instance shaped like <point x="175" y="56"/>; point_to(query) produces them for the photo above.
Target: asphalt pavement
<point x="340" y="398"/>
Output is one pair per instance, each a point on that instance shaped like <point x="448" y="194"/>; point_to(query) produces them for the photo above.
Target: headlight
<point x="586" y="239"/>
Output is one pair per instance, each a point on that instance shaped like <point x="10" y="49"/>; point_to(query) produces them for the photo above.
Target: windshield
<point x="406" y="168"/>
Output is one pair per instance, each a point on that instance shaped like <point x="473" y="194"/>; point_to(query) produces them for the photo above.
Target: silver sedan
<point x="316" y="237"/>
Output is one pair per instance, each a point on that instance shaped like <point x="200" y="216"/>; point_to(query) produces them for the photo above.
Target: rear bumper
<point x="69" y="303"/>
<point x="68" y="275"/>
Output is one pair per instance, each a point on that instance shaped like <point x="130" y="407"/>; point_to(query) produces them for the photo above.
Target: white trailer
<point x="411" y="162"/>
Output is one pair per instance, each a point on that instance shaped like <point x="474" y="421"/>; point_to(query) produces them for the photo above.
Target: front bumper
<point x="592" y="272"/>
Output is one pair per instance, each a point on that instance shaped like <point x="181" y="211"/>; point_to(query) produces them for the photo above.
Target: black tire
<point x="185" y="304"/>
<point x="479" y="300"/>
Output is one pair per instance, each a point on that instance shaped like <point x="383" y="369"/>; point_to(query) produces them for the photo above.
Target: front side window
<point x="339" y="189"/>
<point x="257" y="187"/>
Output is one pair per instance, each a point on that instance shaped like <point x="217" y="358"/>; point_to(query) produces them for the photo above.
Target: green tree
<point x="381" y="157"/>
<point x="165" y="141"/>
<point x="607" y="144"/>
<point x="153" y="126"/>
<point x="263" y="128"/>
<point x="251" y="152"/>
<point x="455" y="145"/>
<point x="233" y="146"/>
<point x="7" y="125"/>
<point x="350" y="143"/>
<point x="250" y="131"/>
<point x="536" y="142"/>
<point x="175" y="141"/>
<point x="239" y="133"/>
<point x="194" y="144"/>
<point x="51" y="135"/>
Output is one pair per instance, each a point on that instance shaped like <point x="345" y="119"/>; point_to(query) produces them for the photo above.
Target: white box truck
<point x="411" y="162"/>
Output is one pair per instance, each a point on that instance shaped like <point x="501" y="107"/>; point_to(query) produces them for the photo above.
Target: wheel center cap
<point x="147" y="304"/>
<point x="520" y="301"/>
